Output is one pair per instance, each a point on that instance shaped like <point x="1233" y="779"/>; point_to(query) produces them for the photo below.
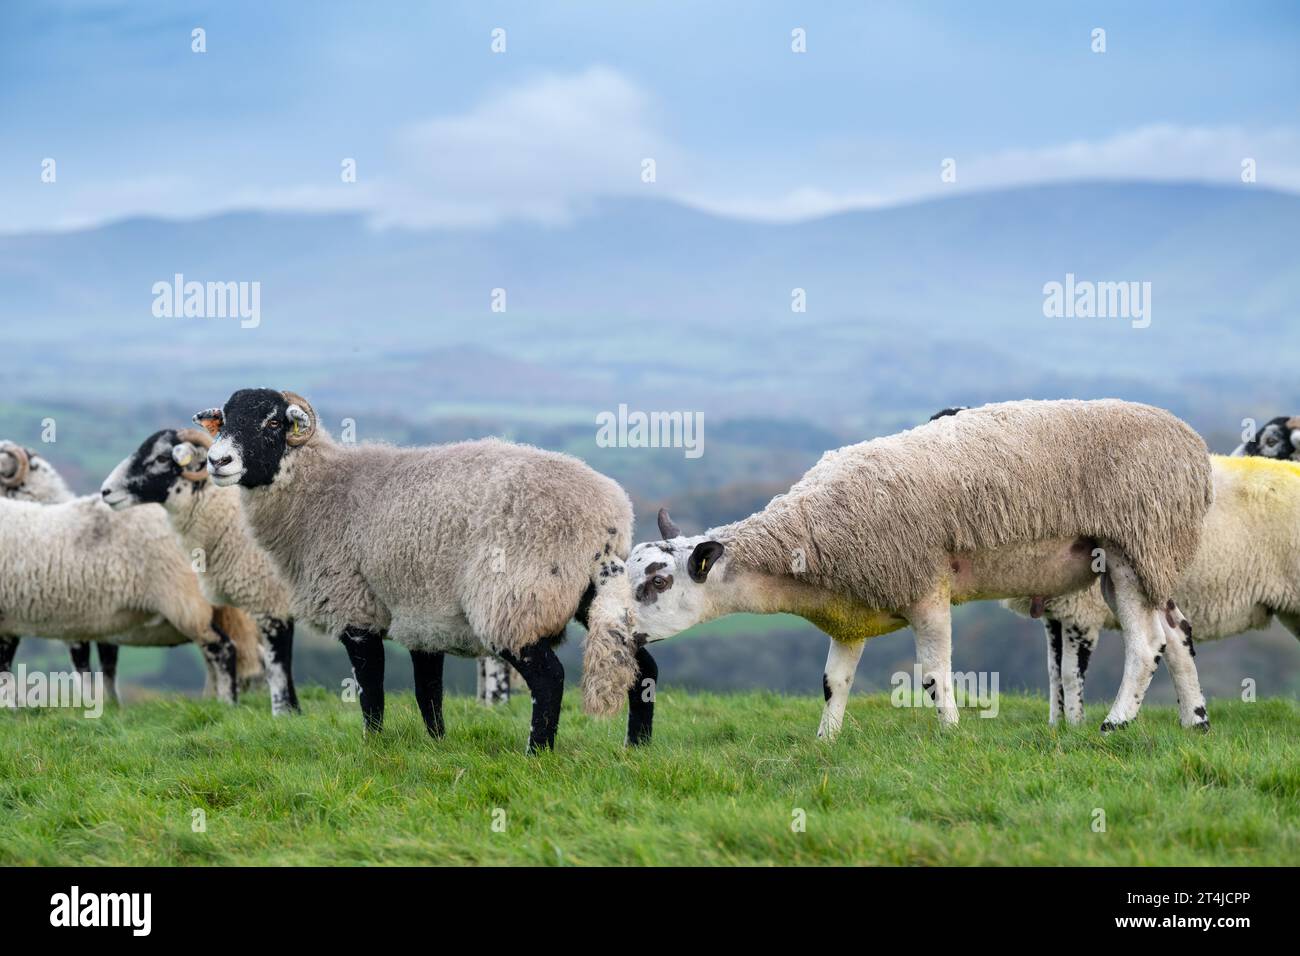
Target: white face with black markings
<point x="1279" y="439"/>
<point x="155" y="473"/>
<point x="673" y="580"/>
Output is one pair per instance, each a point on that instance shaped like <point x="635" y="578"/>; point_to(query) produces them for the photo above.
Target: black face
<point x="945" y="412"/>
<point x="152" y="471"/>
<point x="1272" y="441"/>
<point x="255" y="424"/>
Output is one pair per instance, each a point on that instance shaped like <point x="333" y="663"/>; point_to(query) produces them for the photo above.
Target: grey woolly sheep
<point x="1007" y="500"/>
<point x="1244" y="573"/>
<point x="78" y="571"/>
<point x="471" y="548"/>
<point x="170" y="469"/>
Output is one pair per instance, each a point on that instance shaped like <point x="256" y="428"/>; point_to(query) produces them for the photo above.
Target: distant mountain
<point x="663" y="307"/>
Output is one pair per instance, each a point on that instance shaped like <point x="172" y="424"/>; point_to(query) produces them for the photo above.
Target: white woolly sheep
<point x="79" y="571"/>
<point x="471" y="548"/>
<point x="170" y="469"/>
<point x="1245" y="572"/>
<point x="1002" y="501"/>
<point x="27" y="476"/>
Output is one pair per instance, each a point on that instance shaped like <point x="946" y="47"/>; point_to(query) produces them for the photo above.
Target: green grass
<point x="720" y="785"/>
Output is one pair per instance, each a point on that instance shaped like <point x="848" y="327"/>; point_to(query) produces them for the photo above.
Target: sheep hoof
<point x="1107" y="726"/>
<point x="1202" y="725"/>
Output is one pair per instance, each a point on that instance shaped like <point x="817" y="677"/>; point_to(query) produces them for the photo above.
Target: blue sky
<point x="447" y="133"/>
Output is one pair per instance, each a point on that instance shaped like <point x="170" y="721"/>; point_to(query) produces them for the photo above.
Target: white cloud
<point x="536" y="151"/>
<point x="803" y="202"/>
<point x="1160" y="152"/>
<point x="545" y="149"/>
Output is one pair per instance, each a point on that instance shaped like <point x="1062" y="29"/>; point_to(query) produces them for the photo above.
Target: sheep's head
<point x="674" y="580"/>
<point x="1279" y="439"/>
<point x="15" y="463"/>
<point x="166" y="469"/>
<point x="253" y="433"/>
<point x="26" y="476"/>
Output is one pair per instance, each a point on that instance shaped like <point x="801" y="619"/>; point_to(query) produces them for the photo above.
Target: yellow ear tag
<point x="184" y="462"/>
<point x="297" y="427"/>
<point x="704" y="563"/>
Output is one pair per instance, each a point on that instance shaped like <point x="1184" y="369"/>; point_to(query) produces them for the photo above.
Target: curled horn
<point x="202" y="439"/>
<point x="21" y="465"/>
<point x="666" y="526"/>
<point x="295" y="436"/>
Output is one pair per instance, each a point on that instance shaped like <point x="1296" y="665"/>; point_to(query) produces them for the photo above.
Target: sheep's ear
<point x="301" y="425"/>
<point x="666" y="526"/>
<point x="210" y="420"/>
<point x="702" y="560"/>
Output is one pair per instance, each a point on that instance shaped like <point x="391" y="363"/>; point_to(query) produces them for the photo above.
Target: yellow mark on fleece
<point x="1262" y="476"/>
<point x="1287" y="469"/>
<point x="850" y="622"/>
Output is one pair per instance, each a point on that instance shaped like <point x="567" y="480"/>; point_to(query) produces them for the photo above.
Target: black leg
<point x="544" y="674"/>
<point x="221" y="655"/>
<point x="108" y="665"/>
<point x="366" y="651"/>
<point x="428" y="689"/>
<point x="641" y="700"/>
<point x="8" y="647"/>
<point x="278" y="637"/>
<point x="79" y="651"/>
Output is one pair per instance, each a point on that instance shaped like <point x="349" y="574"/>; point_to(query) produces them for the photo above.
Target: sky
<point x="445" y="132"/>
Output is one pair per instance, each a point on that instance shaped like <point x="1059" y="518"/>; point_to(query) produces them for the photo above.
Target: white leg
<point x="1076" y="649"/>
<point x="1143" y="642"/>
<point x="837" y="681"/>
<point x="209" y="679"/>
<point x="277" y="681"/>
<point x="931" y="621"/>
<point x="1055" y="693"/>
<point x="493" y="680"/>
<point x="1180" y="653"/>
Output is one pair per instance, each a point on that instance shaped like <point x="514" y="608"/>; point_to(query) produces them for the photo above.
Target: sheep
<point x="1280" y="439"/>
<point x="170" y="469"/>
<point x="1244" y="574"/>
<point x="27" y="476"/>
<point x="471" y="548"/>
<point x="78" y="571"/>
<point x="1007" y="500"/>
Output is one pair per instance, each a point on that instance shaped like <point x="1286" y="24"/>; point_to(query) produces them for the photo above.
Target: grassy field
<point x="726" y="782"/>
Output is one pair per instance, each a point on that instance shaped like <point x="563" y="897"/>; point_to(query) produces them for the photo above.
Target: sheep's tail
<point x="242" y="631"/>
<point x="609" y="667"/>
